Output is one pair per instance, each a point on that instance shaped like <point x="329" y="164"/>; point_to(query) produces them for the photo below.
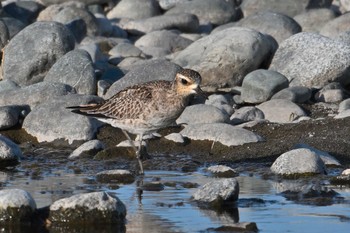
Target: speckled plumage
<point x="145" y="108"/>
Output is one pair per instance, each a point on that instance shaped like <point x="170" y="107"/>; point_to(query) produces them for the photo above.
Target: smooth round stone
<point x="115" y="176"/>
<point x="313" y="20"/>
<point x="87" y="148"/>
<point x="134" y="9"/>
<point x="10" y="153"/>
<point x="202" y="113"/>
<point x="222" y="171"/>
<point x="245" y="114"/>
<point x="296" y="94"/>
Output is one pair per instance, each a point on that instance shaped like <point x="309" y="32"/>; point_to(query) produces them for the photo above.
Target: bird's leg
<point x="137" y="151"/>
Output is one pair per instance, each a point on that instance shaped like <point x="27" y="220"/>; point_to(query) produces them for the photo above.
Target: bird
<point x="144" y="108"/>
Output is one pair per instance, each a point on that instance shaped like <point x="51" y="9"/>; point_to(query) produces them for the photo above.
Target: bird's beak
<point x="200" y="92"/>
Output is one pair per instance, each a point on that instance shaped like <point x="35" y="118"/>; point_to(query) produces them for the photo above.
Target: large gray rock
<point x="10" y="153"/>
<point x="135" y="9"/>
<point x="88" y="208"/>
<point x="218" y="192"/>
<point x="34" y="94"/>
<point x="281" y="110"/>
<point x="298" y="162"/>
<point x="226" y="134"/>
<point x="8" y="85"/>
<point x="16" y="207"/>
<point x="225" y="57"/>
<point x="277" y="25"/>
<point x="168" y="41"/>
<point x="168" y="4"/>
<point x="296" y="94"/>
<point x="147" y="71"/>
<point x="202" y="113"/>
<point x="13" y="25"/>
<point x="221" y="11"/>
<point x="51" y="120"/>
<point x="25" y="11"/>
<point x="336" y="26"/>
<point x="182" y="21"/>
<point x="75" y="68"/>
<point x="290" y="8"/>
<point x="260" y="85"/>
<point x="30" y="54"/>
<point x="311" y="60"/>
<point x="313" y="20"/>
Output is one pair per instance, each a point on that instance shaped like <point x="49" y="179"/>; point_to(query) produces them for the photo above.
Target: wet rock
<point x="150" y="70"/>
<point x="75" y="68"/>
<point x="298" y="162"/>
<point x="134" y="9"/>
<point x="343" y="179"/>
<point x="89" y="148"/>
<point x="181" y="21"/>
<point x="167" y="41"/>
<point x="281" y="110"/>
<point x="235" y="227"/>
<point x="16" y="206"/>
<point x="221" y="11"/>
<point x="202" y="113"/>
<point x="88" y="208"/>
<point x="175" y="137"/>
<point x="327" y="159"/>
<point x="217" y="193"/>
<point x="8" y="85"/>
<point x="313" y="60"/>
<point x="48" y="42"/>
<point x="245" y="114"/>
<point x="288" y="8"/>
<point x="115" y="176"/>
<point x="222" y="171"/>
<point x="9" y="116"/>
<point x="313" y="20"/>
<point x="25" y="11"/>
<point x="51" y="120"/>
<point x="296" y="94"/>
<point x="220" y="60"/>
<point x="152" y="186"/>
<point x="277" y="25"/>
<point x="336" y="26"/>
<point x="259" y="85"/>
<point x="226" y="134"/>
<point x="10" y="153"/>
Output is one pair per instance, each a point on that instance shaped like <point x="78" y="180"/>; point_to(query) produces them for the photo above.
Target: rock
<point x="95" y="52"/>
<point x="327" y="159"/>
<point x="125" y="50"/>
<point x="217" y="193"/>
<point x="288" y="8"/>
<point x="25" y="11"/>
<point x="226" y="134"/>
<point x="134" y="9"/>
<point x="259" y="85"/>
<point x="75" y="68"/>
<point x="222" y="171"/>
<point x="13" y="25"/>
<point x="344" y="105"/>
<point x="8" y="85"/>
<point x="313" y="20"/>
<point x="343" y="37"/>
<point x="61" y="123"/>
<point x="336" y="26"/>
<point x="4" y="35"/>
<point x="168" y="4"/>
<point x="182" y="21"/>
<point x="88" y="148"/>
<point x="48" y="42"/>
<point x="221" y="11"/>
<point x="313" y="60"/>
<point x="245" y="114"/>
<point x="153" y="186"/>
<point x="296" y="94"/>
<point x="34" y="94"/>
<point x="10" y="153"/>
<point x="147" y="71"/>
<point x="343" y="114"/>
<point x="281" y="110"/>
<point x="346" y="172"/>
<point x="104" y="25"/>
<point x="277" y="25"/>
<point x="169" y="41"/>
<point x="175" y="137"/>
<point x="236" y="227"/>
<point x="330" y="93"/>
<point x="16" y="207"/>
<point x="10" y="115"/>
<point x="202" y="113"/>
<point x="88" y="208"/>
<point x="223" y="102"/>
<point x="115" y="176"/>
<point x="298" y="162"/>
<point x="221" y="56"/>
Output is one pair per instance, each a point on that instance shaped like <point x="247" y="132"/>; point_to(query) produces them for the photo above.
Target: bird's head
<point x="187" y="83"/>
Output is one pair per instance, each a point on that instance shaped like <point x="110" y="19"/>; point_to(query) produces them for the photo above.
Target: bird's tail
<point x="87" y="109"/>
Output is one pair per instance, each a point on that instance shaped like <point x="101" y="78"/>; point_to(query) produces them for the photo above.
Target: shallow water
<point x="171" y="209"/>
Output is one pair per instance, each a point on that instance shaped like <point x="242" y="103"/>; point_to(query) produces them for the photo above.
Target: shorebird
<point x="145" y="108"/>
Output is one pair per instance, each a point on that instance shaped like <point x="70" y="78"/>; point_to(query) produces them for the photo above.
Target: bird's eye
<point x="184" y="81"/>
